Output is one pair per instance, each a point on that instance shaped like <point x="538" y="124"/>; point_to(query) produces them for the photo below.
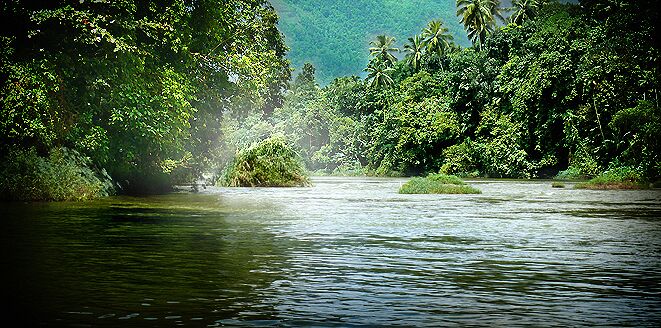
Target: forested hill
<point x="334" y="35"/>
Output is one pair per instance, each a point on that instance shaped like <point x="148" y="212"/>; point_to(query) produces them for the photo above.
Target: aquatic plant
<point x="269" y="163"/>
<point x="437" y="184"/>
<point x="556" y="184"/>
<point x="446" y="179"/>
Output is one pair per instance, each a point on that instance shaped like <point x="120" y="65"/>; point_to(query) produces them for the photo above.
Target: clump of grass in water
<point x="446" y="179"/>
<point x="556" y="184"/>
<point x="270" y="163"/>
<point x="618" y="178"/>
<point x="437" y="184"/>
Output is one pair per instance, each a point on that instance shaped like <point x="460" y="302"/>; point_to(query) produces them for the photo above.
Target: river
<point x="346" y="252"/>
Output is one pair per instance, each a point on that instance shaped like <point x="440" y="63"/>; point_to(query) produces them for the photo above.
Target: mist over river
<point x="345" y="252"/>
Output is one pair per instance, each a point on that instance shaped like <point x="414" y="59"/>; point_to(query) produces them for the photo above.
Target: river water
<point x="346" y="252"/>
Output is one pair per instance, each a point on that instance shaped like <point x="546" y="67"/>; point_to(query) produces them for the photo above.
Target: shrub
<point x="270" y="163"/>
<point x="461" y="159"/>
<point x="63" y="175"/>
<point x="428" y="186"/>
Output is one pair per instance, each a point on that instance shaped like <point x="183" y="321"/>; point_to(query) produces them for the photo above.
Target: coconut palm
<point x="415" y="49"/>
<point x="524" y="10"/>
<point x="436" y="37"/>
<point x="382" y="49"/>
<point x="437" y="40"/>
<point x="479" y="18"/>
<point x="379" y="73"/>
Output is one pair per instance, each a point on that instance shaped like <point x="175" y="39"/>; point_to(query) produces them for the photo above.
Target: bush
<point x="461" y="159"/>
<point x="64" y="175"/>
<point x="429" y="186"/>
<point x="270" y="163"/>
<point x="617" y="178"/>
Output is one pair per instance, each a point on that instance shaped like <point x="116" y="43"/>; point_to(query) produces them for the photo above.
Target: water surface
<point x="346" y="252"/>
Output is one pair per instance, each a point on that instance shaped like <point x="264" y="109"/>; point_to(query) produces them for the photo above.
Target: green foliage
<point x="437" y="41"/>
<point x="571" y="173"/>
<point x="548" y="94"/>
<point x="270" y="163"/>
<point x="637" y="134"/>
<point x="617" y="178"/>
<point x="31" y="114"/>
<point x="461" y="159"/>
<point x="534" y="99"/>
<point x="429" y="186"/>
<point x="500" y="147"/>
<point x="63" y="175"/>
<point x="415" y="51"/>
<point x="140" y="87"/>
<point x="382" y="49"/>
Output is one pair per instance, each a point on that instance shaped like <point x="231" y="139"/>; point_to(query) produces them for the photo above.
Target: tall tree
<point x="306" y="77"/>
<point x="437" y="40"/>
<point x="379" y="74"/>
<point x="415" y="51"/>
<point x="479" y="18"/>
<point x="383" y="48"/>
<point x="523" y="10"/>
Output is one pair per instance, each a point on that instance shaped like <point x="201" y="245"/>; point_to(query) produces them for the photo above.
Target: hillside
<point x="334" y="34"/>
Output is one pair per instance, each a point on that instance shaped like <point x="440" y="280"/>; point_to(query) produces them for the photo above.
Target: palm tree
<point x="415" y="51"/>
<point x="436" y="37"/>
<point x="382" y="49"/>
<point x="379" y="73"/>
<point x="479" y="18"/>
<point x="524" y="10"/>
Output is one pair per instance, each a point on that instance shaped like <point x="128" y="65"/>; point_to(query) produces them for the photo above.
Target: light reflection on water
<point x="349" y="251"/>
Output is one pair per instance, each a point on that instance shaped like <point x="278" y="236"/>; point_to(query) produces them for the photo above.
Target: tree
<point x="479" y="18"/>
<point x="437" y="40"/>
<point x="379" y="74"/>
<point x="524" y="10"/>
<point x="415" y="49"/>
<point x="382" y="49"/>
<point x="306" y="78"/>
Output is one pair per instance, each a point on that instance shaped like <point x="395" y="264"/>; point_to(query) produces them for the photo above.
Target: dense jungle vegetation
<point x="553" y="88"/>
<point x="138" y="87"/>
<point x="149" y="94"/>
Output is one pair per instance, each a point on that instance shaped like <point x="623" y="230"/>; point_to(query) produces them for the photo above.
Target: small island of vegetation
<point x="270" y="163"/>
<point x="437" y="184"/>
